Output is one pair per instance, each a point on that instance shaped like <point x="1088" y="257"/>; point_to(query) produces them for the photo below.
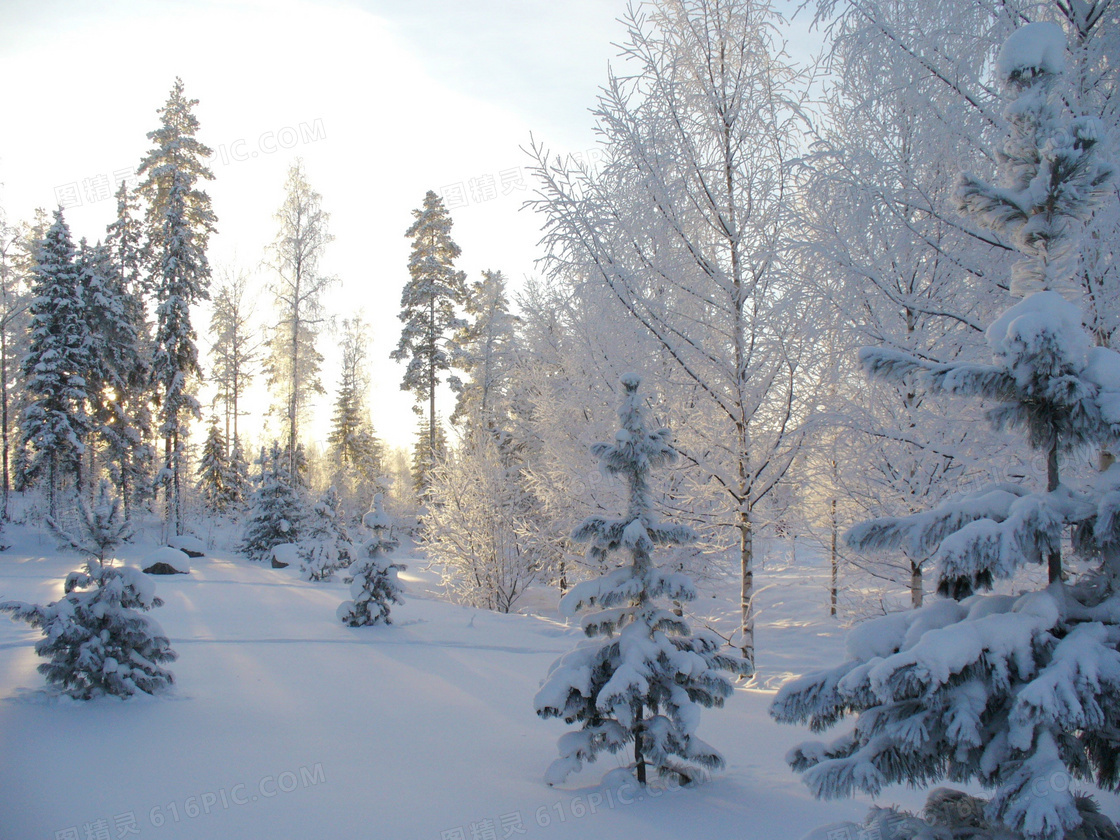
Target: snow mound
<point x="172" y="557"/>
<point x="1037" y="47"/>
<point x="1037" y="319"/>
<point x="284" y="554"/>
<point x="376" y="517"/>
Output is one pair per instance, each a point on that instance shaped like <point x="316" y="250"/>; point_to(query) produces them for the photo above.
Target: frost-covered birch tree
<point x="235" y="350"/>
<point x="949" y="47"/>
<point x="882" y="245"/>
<point x="298" y="290"/>
<point x="685" y="224"/>
<point x="14" y="301"/>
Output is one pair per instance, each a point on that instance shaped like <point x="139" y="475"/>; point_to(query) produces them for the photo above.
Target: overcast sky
<point x="383" y="99"/>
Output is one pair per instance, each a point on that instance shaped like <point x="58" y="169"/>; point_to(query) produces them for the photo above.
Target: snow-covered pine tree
<point x="642" y="683"/>
<point x="428" y="308"/>
<point x="55" y="423"/>
<point x="326" y="545"/>
<point x="1017" y="693"/>
<point x="275" y="508"/>
<point x="178" y="225"/>
<point x="215" y="482"/>
<point x="97" y="638"/>
<point x="375" y="585"/>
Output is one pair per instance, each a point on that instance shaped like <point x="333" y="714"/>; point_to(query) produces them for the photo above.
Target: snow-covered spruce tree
<point x="1017" y="693"/>
<point x="215" y="480"/>
<point x="118" y="374"/>
<point x="239" y="482"/>
<point x="375" y="585"/>
<point x="178" y="224"/>
<point x="96" y="637"/>
<point x="326" y="545"/>
<point x="55" y="423"/>
<point x="275" y="508"/>
<point x="644" y="681"/>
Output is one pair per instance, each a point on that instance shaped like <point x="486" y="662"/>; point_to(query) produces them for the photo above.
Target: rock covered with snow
<point x="284" y="554"/>
<point x="166" y="560"/>
<point x="189" y="545"/>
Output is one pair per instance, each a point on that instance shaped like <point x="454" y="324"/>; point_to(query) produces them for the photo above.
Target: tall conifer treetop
<point x="176" y="149"/>
<point x="428" y="306"/>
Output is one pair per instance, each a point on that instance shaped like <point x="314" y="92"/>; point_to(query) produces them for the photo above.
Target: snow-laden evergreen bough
<point x="646" y="679"/>
<point x="1018" y="693"/>
<point x="96" y="637"/>
<point x="375" y="586"/>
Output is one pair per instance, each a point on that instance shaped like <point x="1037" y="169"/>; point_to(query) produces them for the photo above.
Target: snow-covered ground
<point x="286" y="724"/>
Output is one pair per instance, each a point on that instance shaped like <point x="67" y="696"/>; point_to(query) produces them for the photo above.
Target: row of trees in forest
<point x="99" y="364"/>
<point x="98" y="351"/>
